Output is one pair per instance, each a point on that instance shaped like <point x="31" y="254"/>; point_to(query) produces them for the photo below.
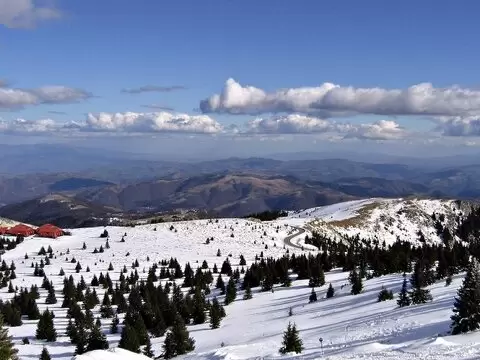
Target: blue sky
<point x="97" y="48"/>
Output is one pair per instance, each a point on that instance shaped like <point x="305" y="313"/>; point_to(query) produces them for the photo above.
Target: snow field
<point x="186" y="242"/>
<point x="352" y="327"/>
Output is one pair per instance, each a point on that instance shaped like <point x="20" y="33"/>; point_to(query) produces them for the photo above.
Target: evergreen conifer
<point x="466" y="309"/>
<point x="291" y="340"/>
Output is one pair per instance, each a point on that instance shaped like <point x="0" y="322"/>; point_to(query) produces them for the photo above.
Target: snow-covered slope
<point x="384" y="219"/>
<point x="7" y="222"/>
<point x="351" y="327"/>
<point x="112" y="354"/>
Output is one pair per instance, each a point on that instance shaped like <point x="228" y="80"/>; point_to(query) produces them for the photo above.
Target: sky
<point x="224" y="78"/>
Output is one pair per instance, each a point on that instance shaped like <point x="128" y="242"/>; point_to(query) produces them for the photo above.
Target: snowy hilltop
<point x="385" y="219"/>
<point x="232" y="286"/>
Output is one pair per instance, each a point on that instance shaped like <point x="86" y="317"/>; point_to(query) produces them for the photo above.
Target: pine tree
<point x="198" y="311"/>
<point x="248" y="293"/>
<point x="97" y="340"/>
<point x="44" y="355"/>
<point x="291" y="340"/>
<point x="231" y="292"/>
<point x="448" y="280"/>
<point x="51" y="298"/>
<point x="147" y="351"/>
<point x="467" y="305"/>
<point x="317" y="278"/>
<point x="114" y="325"/>
<point x="81" y="339"/>
<point x="313" y="296"/>
<point x="330" y="291"/>
<point x="45" y="328"/>
<point x="169" y="350"/>
<point x="178" y="340"/>
<point x="356" y="281"/>
<point x="7" y="349"/>
<point x="418" y="294"/>
<point x="220" y="284"/>
<point x="385" y="295"/>
<point x="403" y="298"/>
<point x="129" y="340"/>
<point x="215" y="314"/>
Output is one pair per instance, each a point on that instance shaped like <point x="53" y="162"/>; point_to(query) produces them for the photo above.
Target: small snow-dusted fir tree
<point x="7" y="350"/>
<point x="248" y="293"/>
<point x="291" y="340"/>
<point x="177" y="340"/>
<point x="313" y="296"/>
<point x="418" y="294"/>
<point x="356" y="281"/>
<point x="467" y="305"/>
<point x="147" y="351"/>
<point x="45" y="328"/>
<point x="45" y="355"/>
<point x="215" y="314"/>
<point x="385" y="295"/>
<point x="330" y="291"/>
<point x="97" y="340"/>
<point x="129" y="340"/>
<point x="403" y="298"/>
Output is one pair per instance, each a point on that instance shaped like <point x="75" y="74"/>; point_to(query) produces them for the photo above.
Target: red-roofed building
<point x="3" y="230"/>
<point x="21" y="230"/>
<point x="49" y="231"/>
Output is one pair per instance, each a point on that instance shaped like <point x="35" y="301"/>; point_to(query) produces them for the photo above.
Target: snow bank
<point x="112" y="354"/>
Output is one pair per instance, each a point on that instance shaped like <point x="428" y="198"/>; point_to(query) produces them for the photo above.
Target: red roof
<point x="48" y="227"/>
<point x="49" y="230"/>
<point x="21" y="229"/>
<point x="3" y="230"/>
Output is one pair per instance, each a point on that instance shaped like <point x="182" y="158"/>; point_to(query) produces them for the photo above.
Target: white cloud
<point x="117" y="123"/>
<point x="26" y="13"/>
<point x="22" y="126"/>
<point x="60" y="94"/>
<point x="152" y="122"/>
<point x="16" y="98"/>
<point x="302" y="124"/>
<point x="380" y="130"/>
<point x="290" y="124"/>
<point x="330" y="100"/>
<point x="459" y="126"/>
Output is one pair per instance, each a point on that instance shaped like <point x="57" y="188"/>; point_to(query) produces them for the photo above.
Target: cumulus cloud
<point x="26" y="13"/>
<point x="153" y="88"/>
<point x="331" y="100"/>
<point x="16" y="98"/>
<point x="303" y="124"/>
<point x="290" y="124"/>
<point x="152" y="122"/>
<point x="22" y="126"/>
<point x="459" y="126"/>
<point x="117" y="123"/>
<point x="380" y="130"/>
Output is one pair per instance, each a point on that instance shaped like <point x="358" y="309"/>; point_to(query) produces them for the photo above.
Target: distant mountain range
<point x="229" y="187"/>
